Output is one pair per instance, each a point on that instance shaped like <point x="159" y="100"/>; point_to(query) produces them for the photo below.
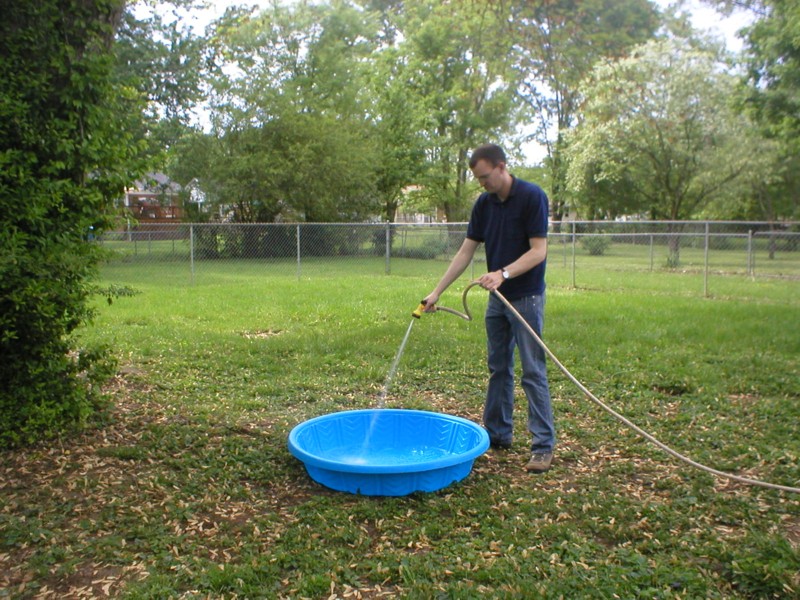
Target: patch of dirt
<point x="261" y="334"/>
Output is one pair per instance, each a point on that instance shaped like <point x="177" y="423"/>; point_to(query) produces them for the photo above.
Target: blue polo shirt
<point x="505" y="228"/>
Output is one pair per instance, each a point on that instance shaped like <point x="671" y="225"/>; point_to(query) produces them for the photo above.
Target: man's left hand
<point x="491" y="281"/>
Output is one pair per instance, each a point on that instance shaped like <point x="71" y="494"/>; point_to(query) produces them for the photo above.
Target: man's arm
<point x="534" y="256"/>
<point x="458" y="265"/>
<point x="530" y="259"/>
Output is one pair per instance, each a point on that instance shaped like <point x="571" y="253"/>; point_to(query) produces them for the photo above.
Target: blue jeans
<point x="503" y="333"/>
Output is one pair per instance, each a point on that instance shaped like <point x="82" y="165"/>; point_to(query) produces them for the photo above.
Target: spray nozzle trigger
<point x="419" y="310"/>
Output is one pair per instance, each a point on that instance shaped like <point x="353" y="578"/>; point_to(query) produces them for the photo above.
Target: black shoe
<point x="495" y="445"/>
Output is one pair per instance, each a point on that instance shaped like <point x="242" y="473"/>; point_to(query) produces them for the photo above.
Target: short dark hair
<point x="491" y="153"/>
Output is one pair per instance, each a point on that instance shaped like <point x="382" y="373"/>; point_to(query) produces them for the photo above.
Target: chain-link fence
<point x="187" y="252"/>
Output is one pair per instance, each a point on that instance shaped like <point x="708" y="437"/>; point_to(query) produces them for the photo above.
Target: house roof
<point x="156" y="183"/>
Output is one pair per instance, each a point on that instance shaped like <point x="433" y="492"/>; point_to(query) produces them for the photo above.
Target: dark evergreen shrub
<point x="61" y="154"/>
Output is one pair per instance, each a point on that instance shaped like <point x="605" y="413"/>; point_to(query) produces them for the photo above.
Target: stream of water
<point x="393" y="369"/>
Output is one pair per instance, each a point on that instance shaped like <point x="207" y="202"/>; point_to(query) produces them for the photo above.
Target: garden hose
<point x="468" y="316"/>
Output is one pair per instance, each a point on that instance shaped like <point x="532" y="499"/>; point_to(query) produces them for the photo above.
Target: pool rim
<point x="445" y="462"/>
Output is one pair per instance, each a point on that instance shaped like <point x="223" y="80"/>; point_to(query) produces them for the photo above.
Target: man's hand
<point x="491" y="281"/>
<point x="430" y="302"/>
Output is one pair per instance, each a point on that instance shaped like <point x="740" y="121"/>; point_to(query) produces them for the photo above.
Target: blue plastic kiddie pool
<point x="387" y="452"/>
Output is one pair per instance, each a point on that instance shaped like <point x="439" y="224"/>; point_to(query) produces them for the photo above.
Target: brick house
<point x="154" y="199"/>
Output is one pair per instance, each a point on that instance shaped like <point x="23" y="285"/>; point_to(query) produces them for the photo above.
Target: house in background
<point x="154" y="199"/>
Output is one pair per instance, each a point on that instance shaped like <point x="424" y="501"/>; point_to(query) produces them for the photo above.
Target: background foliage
<point x="420" y="83"/>
<point x="658" y="137"/>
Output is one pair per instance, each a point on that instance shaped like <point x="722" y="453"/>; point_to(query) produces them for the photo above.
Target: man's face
<point x="490" y="177"/>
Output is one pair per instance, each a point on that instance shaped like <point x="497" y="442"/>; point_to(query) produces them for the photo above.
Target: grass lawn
<point x="186" y="489"/>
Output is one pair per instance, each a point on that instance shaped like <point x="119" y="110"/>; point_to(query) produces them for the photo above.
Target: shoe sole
<point x="534" y="469"/>
<point x="537" y="471"/>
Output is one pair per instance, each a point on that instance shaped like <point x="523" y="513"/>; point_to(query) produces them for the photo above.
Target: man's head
<point x="491" y="153"/>
<point x="488" y="164"/>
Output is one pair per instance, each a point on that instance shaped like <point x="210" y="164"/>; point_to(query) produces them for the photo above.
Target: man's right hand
<point x="430" y="302"/>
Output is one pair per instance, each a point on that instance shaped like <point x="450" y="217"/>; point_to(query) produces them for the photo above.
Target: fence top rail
<point x="774" y="233"/>
<point x="617" y="234"/>
<point x="442" y="224"/>
<point x="556" y="228"/>
<point x="668" y="222"/>
<point x="620" y="234"/>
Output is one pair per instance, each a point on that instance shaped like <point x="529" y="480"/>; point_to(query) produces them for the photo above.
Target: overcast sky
<point x="704" y="17"/>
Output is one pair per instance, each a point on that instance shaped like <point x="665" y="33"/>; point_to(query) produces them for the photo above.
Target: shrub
<point x="61" y="158"/>
<point x="595" y="245"/>
<point x="428" y="250"/>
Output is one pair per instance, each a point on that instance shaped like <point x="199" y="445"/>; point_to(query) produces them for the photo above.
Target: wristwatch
<point x="505" y="274"/>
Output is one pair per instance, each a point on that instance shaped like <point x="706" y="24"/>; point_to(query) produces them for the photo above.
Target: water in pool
<point x="363" y="455"/>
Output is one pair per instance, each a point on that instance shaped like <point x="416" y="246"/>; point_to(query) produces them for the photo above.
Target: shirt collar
<point x="496" y="199"/>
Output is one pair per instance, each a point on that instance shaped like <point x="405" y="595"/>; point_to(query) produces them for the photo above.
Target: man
<point x="510" y="218"/>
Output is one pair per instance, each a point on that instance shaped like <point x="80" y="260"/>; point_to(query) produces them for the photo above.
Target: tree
<point x="772" y="59"/>
<point x="64" y="150"/>
<point x="557" y="45"/>
<point x="411" y="86"/>
<point x="660" y="127"/>
<point x="292" y="133"/>
<point x="771" y="82"/>
<point x="398" y="124"/>
<point x="459" y="61"/>
<point x="162" y="59"/>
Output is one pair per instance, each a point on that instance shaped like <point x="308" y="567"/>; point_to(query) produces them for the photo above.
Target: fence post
<point x="297" y="237"/>
<point x="751" y="263"/>
<point x="191" y="252"/>
<point x="652" y="253"/>
<point x="574" y="237"/>
<point x="388" y="267"/>
<point x="705" y="270"/>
